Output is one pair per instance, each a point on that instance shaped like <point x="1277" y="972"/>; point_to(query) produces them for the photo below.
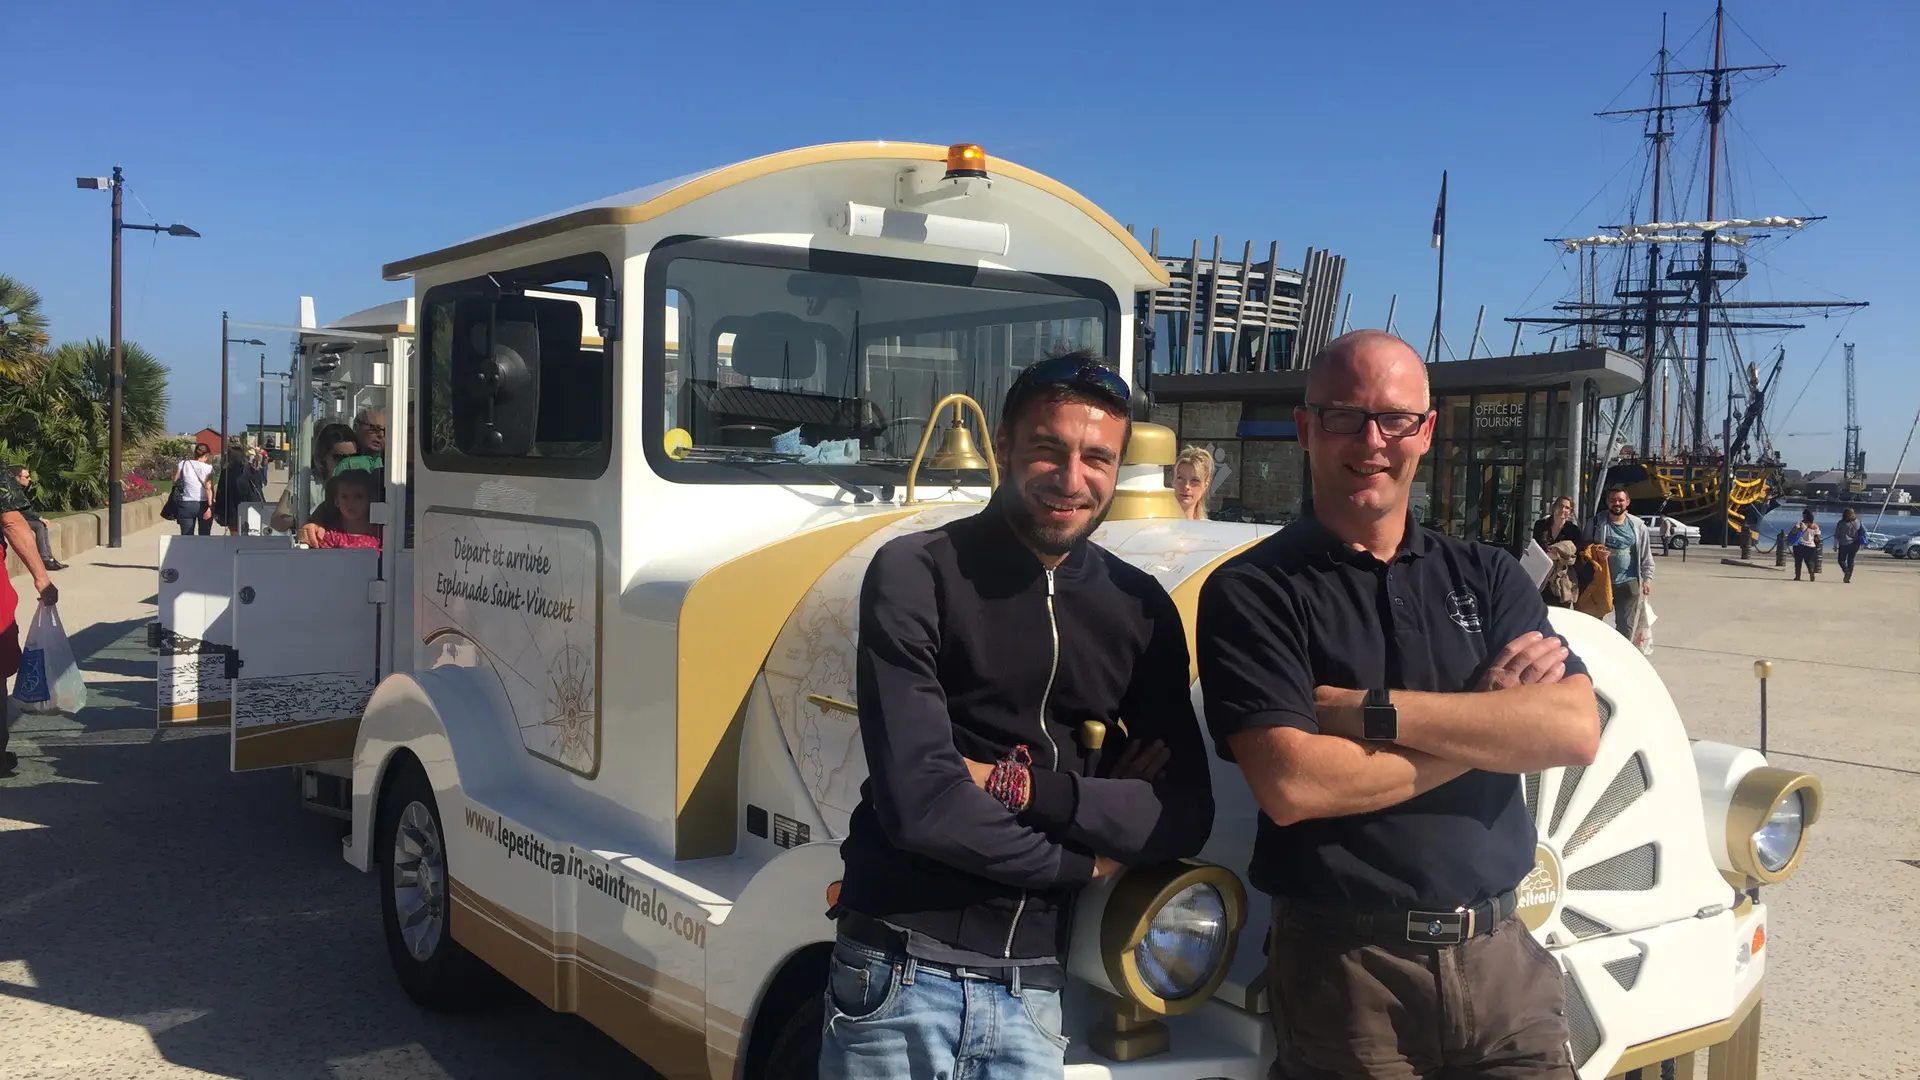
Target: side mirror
<point x="496" y="375"/>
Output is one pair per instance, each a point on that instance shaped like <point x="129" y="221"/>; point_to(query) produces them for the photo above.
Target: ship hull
<point x="1690" y="493"/>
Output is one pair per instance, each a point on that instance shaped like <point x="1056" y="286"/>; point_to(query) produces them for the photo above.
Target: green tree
<point x="23" y="328"/>
<point x="50" y="423"/>
<point x="143" y="397"/>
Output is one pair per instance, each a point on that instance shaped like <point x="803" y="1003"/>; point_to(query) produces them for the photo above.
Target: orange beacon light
<point x="965" y="159"/>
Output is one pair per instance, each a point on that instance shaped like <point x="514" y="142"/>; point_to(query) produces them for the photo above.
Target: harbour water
<point x="1900" y="520"/>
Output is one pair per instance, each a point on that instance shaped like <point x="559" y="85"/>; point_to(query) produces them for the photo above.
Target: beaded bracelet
<point x="1010" y="781"/>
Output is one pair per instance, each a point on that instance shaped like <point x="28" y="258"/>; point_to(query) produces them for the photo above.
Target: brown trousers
<point x="1491" y="1006"/>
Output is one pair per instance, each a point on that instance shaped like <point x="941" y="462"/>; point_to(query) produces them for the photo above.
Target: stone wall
<point x="75" y="533"/>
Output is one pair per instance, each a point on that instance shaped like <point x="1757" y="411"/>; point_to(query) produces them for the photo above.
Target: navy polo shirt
<point x="1303" y="609"/>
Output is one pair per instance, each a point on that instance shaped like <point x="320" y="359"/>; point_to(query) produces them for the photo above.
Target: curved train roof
<point x="392" y="317"/>
<point x="646" y="203"/>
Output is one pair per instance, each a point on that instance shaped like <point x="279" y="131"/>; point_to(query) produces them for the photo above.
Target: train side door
<point x="193" y="632"/>
<point x="307" y="623"/>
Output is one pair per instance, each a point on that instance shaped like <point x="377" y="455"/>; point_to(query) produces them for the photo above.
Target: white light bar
<point x="938" y="230"/>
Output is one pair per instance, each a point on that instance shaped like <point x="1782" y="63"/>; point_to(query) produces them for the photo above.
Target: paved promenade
<point x="163" y="917"/>
<point x="1843" y="976"/>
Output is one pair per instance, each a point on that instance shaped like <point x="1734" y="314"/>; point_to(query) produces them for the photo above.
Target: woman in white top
<point x="1805" y="539"/>
<point x="196" y="511"/>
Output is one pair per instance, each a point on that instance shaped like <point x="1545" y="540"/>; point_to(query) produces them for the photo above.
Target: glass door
<point x="1500" y="506"/>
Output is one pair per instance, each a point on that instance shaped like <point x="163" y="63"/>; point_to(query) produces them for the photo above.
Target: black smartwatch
<point x="1380" y="721"/>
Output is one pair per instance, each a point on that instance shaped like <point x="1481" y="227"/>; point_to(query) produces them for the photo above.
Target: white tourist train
<point x="590" y="709"/>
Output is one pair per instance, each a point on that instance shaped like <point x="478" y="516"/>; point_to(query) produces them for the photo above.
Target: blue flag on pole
<point x="1440" y="213"/>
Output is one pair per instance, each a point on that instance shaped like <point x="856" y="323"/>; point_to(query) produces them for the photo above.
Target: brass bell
<point x="956" y="448"/>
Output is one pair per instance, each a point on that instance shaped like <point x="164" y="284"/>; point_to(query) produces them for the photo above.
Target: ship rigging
<point x="1676" y="297"/>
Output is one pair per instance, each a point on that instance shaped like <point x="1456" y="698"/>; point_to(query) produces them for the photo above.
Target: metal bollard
<point x="1780" y="548"/>
<point x="1746" y="544"/>
<point x="1763" y="670"/>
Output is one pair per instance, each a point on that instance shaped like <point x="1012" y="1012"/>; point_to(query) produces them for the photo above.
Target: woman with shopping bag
<point x="13" y="500"/>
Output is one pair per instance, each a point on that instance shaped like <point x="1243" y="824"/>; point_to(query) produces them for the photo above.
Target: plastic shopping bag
<point x="1643" y="627"/>
<point x="49" y="680"/>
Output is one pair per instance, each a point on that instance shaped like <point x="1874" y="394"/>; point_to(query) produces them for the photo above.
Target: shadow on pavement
<point x="152" y="886"/>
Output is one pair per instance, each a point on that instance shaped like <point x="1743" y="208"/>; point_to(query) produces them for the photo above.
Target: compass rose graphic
<point x="570" y="706"/>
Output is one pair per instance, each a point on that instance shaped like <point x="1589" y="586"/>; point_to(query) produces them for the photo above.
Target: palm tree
<point x="54" y="426"/>
<point x="23" y="329"/>
<point x="143" y="395"/>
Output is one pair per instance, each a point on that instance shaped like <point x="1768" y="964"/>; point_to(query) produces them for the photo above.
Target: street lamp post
<point x="116" y="493"/>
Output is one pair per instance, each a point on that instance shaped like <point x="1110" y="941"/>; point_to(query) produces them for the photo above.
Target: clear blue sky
<point x="312" y="143"/>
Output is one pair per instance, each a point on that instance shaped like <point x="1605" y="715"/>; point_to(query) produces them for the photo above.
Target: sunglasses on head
<point x="1075" y="371"/>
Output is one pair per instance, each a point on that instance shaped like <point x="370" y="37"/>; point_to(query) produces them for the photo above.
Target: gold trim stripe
<point x="1186" y="600"/>
<point x="660" y="1019"/>
<point x="270" y="746"/>
<point x="753" y="169"/>
<point x="210" y="713"/>
<point x="729" y="621"/>
<point x="1681" y="1043"/>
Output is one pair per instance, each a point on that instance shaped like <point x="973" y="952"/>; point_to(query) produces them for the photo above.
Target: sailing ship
<point x="1675" y="281"/>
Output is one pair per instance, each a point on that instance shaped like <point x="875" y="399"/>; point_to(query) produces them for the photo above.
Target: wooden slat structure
<point x="1216" y="315"/>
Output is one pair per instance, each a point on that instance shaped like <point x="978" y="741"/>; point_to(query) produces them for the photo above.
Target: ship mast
<point x="1659" y="138"/>
<point x="1716" y="105"/>
<point x="1675" y="309"/>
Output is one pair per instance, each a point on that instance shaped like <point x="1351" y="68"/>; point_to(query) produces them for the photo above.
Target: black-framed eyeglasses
<point x="1077" y="371"/>
<point x="1339" y="420"/>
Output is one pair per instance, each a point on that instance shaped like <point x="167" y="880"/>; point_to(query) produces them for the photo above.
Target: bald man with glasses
<point x="1382" y="688"/>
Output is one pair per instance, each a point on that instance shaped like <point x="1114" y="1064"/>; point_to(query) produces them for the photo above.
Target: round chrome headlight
<point x="1167" y="933"/>
<point x="1767" y="820"/>
<point x="1185" y="942"/>
<point x="1777" y="841"/>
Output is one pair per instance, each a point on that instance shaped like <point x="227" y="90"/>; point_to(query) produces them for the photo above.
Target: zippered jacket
<point x="968" y="648"/>
<point x="1642" y="540"/>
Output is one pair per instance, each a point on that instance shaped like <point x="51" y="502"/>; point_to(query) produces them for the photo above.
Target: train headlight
<point x="1185" y="943"/>
<point x="1767" y="821"/>
<point x="1778" y="841"/>
<point x="1167" y="934"/>
<point x="1757" y="816"/>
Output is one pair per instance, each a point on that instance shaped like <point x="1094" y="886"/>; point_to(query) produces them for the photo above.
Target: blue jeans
<point x="190" y="519"/>
<point x="890" y="1018"/>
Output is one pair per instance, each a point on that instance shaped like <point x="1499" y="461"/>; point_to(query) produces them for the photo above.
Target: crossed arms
<point x="1299" y="744"/>
<point x="929" y="798"/>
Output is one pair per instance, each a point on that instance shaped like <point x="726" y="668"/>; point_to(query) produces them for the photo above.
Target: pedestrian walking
<point x="1629" y="557"/>
<point x="191" y="479"/>
<point x="1805" y="540"/>
<point x="40" y="538"/>
<point x="1848" y="535"/>
<point x="1558" y="525"/>
<point x="13" y="522"/>
<point x="1380" y="686"/>
<point x="1559" y="536"/>
<point x="243" y="481"/>
<point x="984" y="646"/>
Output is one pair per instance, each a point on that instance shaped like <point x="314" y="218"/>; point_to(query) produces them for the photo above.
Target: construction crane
<point x="1853" y="463"/>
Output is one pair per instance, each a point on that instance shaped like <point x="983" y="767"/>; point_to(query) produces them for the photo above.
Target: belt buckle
<point x="1440" y="927"/>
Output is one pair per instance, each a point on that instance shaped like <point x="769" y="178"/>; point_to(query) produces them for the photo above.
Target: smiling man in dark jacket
<point x="986" y="648"/>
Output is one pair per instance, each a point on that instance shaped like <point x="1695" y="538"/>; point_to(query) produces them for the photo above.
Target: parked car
<point x="1678" y="533"/>
<point x="1903" y="547"/>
